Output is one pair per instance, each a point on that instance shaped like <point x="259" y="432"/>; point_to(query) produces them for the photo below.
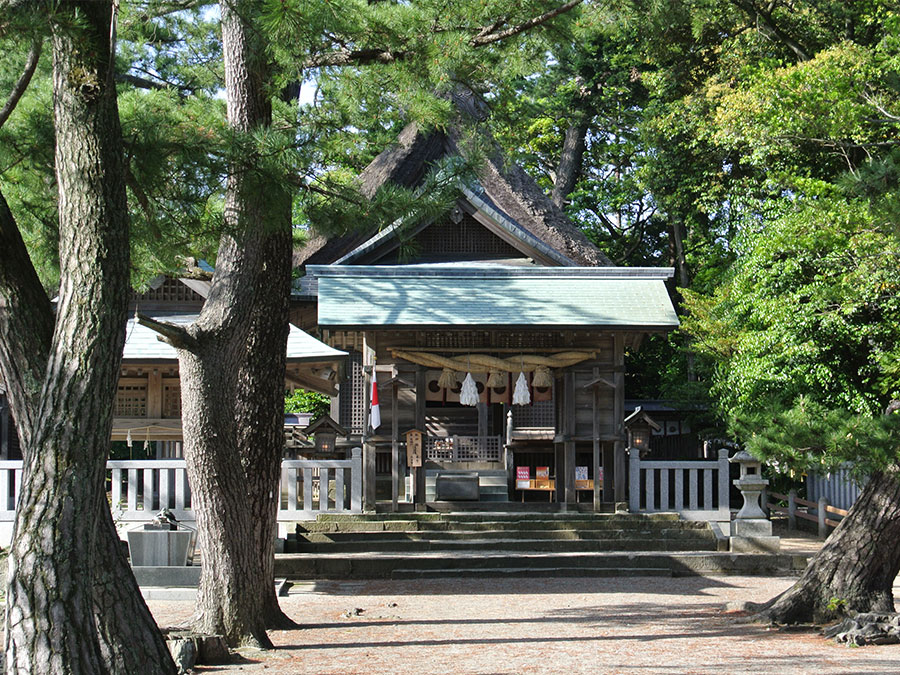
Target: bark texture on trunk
<point x="62" y="381"/>
<point x="571" y="160"/>
<point x="26" y="325"/>
<point x="259" y="409"/>
<point x="856" y="567"/>
<point x="232" y="369"/>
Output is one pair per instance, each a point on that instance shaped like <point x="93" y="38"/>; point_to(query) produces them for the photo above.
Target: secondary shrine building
<point x="502" y="288"/>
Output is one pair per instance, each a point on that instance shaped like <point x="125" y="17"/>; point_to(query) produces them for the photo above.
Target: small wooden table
<point x="548" y="486"/>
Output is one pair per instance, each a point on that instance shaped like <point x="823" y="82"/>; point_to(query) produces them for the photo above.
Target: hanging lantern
<point x="542" y="377"/>
<point x="448" y="379"/>
<point x="469" y="393"/>
<point x="496" y="379"/>
<point x="128" y="440"/>
<point x="520" y="393"/>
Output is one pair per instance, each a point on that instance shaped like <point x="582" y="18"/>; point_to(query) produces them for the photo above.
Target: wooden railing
<point x="464" y="448"/>
<point x="675" y="486"/>
<point x="139" y="489"/>
<point x="794" y="508"/>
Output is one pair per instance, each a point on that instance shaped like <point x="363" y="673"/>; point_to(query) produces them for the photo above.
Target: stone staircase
<point x="430" y="544"/>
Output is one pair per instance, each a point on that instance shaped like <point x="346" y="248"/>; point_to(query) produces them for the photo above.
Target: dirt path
<point x="574" y="625"/>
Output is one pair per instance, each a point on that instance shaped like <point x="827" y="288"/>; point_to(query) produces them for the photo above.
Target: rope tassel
<point x="542" y="377"/>
<point x="448" y="379"/>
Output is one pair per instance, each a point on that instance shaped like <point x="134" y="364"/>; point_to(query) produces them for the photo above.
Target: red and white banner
<point x="375" y="409"/>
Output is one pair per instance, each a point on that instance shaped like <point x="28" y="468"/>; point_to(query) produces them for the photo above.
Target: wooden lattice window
<point x="467" y="236"/>
<point x="352" y="400"/>
<point x="540" y="414"/>
<point x="171" y="401"/>
<point x="131" y="400"/>
<point x="170" y="291"/>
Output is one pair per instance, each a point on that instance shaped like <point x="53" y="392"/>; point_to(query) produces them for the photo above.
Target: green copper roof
<point x="472" y="295"/>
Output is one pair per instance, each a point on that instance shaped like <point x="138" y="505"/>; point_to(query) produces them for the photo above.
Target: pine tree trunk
<point x="260" y="408"/>
<point x="227" y="602"/>
<point x="130" y="640"/>
<point x="51" y="601"/>
<point x="233" y="372"/>
<point x="856" y="567"/>
<point x="570" y="162"/>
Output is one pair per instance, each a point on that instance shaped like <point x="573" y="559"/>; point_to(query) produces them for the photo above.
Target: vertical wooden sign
<point x="415" y="442"/>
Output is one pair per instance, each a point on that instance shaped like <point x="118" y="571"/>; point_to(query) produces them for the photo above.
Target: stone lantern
<point x="751" y="531"/>
<point x="326" y="432"/>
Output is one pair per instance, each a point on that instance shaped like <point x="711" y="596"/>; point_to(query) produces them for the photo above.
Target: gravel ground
<point x="567" y="625"/>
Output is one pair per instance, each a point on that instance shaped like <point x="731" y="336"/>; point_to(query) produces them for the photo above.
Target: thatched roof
<point x="508" y="187"/>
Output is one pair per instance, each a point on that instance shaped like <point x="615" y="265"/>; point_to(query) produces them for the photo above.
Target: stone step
<point x="529" y="572"/>
<point x="504" y="545"/>
<point x="636" y="529"/>
<point x="468" y="535"/>
<point x="383" y="566"/>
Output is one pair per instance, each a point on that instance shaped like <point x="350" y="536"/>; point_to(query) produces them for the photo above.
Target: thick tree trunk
<point x="856" y="567"/>
<point x="232" y="369"/>
<point x="228" y="602"/>
<point x="570" y="162"/>
<point x="130" y="640"/>
<point x="259" y="410"/>
<point x="73" y="369"/>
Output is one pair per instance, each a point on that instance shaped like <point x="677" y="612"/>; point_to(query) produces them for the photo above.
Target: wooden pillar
<point x="421" y="388"/>
<point x="595" y="440"/>
<point x="395" y="447"/>
<point x="608" y="464"/>
<point x="154" y="394"/>
<point x="621" y="463"/>
<point x="569" y="445"/>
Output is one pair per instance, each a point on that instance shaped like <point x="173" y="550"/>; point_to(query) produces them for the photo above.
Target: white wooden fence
<point x="698" y="490"/>
<point x="139" y="489"/>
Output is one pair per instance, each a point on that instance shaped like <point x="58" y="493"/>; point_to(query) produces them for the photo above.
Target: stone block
<point x="159" y="547"/>
<point x="169" y="577"/>
<point x="762" y="544"/>
<point x="751" y="527"/>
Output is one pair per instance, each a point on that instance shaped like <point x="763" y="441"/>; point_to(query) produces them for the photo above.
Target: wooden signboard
<point x="523" y="477"/>
<point x="415" y="446"/>
<point x="581" y="478"/>
<point x="542" y="476"/>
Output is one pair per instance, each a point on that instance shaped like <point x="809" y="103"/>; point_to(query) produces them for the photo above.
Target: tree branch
<point x="485" y="36"/>
<point x="489" y="38"/>
<point x="355" y="57"/>
<point x="30" y="66"/>
<point x="170" y="333"/>
<point x="26" y="323"/>
<point x="773" y="30"/>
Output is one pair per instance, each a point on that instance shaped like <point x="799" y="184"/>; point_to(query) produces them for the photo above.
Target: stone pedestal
<point x="753" y="535"/>
<point x="751" y="531"/>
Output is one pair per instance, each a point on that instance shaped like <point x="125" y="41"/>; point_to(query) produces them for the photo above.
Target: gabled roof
<point x="506" y="190"/>
<point x="358" y="296"/>
<point x="142" y="344"/>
